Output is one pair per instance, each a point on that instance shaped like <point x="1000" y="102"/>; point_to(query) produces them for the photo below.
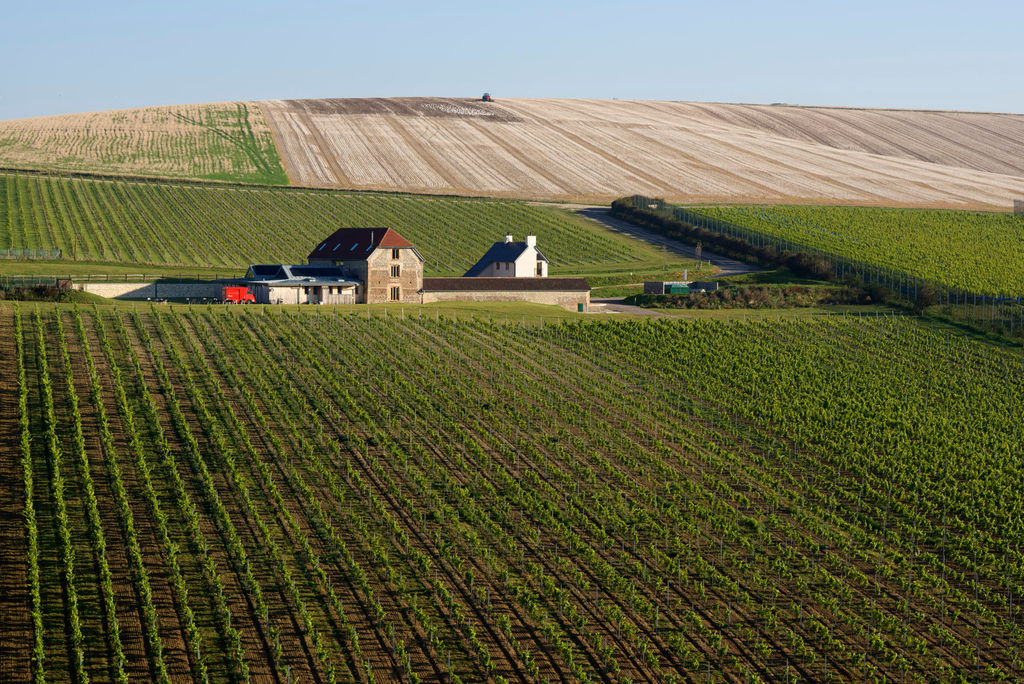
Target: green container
<point x="678" y="289"/>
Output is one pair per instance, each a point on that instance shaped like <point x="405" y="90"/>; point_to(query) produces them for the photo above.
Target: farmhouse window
<point x="396" y="294"/>
<point x="396" y="254"/>
<point x="305" y="290"/>
<point x="396" y="271"/>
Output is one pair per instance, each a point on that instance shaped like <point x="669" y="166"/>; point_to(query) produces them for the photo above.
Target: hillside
<point x="221" y="141"/>
<point x="597" y="150"/>
<point x="549" y="149"/>
<point x="194" y="224"/>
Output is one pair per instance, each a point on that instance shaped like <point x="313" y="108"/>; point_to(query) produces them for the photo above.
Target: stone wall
<point x="155" y="290"/>
<point x="566" y="300"/>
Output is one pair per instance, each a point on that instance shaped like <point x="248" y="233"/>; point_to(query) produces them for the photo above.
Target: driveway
<point x="615" y="306"/>
<point x="725" y="265"/>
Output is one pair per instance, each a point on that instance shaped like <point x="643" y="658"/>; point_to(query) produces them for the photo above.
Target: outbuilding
<point x="301" y="284"/>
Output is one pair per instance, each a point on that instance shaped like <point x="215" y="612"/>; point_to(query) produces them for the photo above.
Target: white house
<point x="510" y="259"/>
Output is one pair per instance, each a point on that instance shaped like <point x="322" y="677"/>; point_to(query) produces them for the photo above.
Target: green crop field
<point x="979" y="252"/>
<point x="194" y="225"/>
<point x="216" y="494"/>
<point x="228" y="141"/>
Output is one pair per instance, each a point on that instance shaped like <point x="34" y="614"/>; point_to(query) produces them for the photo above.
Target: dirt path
<point x="725" y="265"/>
<point x="614" y="305"/>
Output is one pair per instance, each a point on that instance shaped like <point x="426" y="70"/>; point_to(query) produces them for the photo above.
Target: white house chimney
<point x="508" y="239"/>
<point x="531" y="240"/>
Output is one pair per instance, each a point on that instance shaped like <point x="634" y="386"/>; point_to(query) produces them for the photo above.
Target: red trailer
<point x="238" y="295"/>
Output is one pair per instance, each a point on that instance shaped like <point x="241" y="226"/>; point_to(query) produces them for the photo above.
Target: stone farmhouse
<point x="351" y="266"/>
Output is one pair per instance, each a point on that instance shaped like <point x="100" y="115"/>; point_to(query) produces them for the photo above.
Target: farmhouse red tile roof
<point x="505" y="285"/>
<point x="357" y="243"/>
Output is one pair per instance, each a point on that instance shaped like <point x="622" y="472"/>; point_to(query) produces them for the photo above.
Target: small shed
<point x="666" y="287"/>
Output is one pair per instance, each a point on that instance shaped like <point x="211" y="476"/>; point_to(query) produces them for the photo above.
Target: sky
<point x="65" y="57"/>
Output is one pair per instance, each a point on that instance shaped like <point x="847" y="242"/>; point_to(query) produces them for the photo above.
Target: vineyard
<point x="243" y="495"/>
<point x="227" y="141"/>
<point x="202" y="225"/>
<point x="980" y="252"/>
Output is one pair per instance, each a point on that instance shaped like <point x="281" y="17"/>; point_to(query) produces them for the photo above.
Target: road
<point x="725" y="265"/>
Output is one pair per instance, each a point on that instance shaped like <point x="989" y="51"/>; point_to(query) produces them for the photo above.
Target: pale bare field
<point x="596" y="150"/>
<point x="224" y="141"/>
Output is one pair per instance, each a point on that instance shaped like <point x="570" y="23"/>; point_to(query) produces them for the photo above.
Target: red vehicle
<point x="238" y="295"/>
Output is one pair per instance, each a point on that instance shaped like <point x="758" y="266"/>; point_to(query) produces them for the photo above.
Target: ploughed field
<point x="597" y="150"/>
<point x="251" y="494"/>
<point x="168" y="224"/>
<point x="550" y="149"/>
<point x="979" y="252"/>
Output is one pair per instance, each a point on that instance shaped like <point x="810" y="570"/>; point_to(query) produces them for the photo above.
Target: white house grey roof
<point x="501" y="251"/>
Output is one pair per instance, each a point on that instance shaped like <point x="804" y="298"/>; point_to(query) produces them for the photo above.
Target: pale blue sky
<point x="81" y="56"/>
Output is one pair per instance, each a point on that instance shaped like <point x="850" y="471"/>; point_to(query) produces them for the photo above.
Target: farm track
<point x="15" y="600"/>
